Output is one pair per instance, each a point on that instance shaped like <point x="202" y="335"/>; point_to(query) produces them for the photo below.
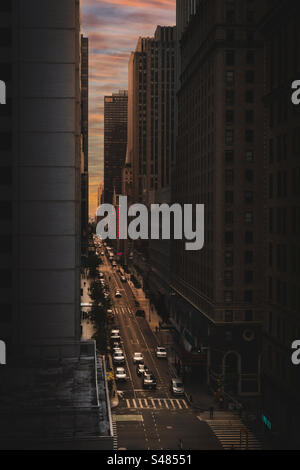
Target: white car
<point x="119" y="357"/>
<point x="123" y="278"/>
<point x="120" y="373"/>
<point x="138" y="358"/>
<point x="118" y="294"/>
<point x="161" y="353"/>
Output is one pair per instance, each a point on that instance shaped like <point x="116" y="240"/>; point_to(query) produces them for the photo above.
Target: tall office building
<point x="115" y="141"/>
<point x="217" y="307"/>
<point x="281" y="379"/>
<point x="52" y="389"/>
<point x="85" y="144"/>
<point x="151" y="140"/>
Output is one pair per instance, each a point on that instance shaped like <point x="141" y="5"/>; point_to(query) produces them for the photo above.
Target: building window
<point x="250" y="57"/>
<point x="229" y="238"/>
<point x="249" y="238"/>
<point x="249" y="197"/>
<point x="228" y="316"/>
<point x="228" y="296"/>
<point x="229" y="136"/>
<point x="248" y="257"/>
<point x="229" y="97"/>
<point x="228" y="258"/>
<point x="249" y="136"/>
<point x="229" y="177"/>
<point x="248" y="315"/>
<point x="229" y="218"/>
<point x="249" y="217"/>
<point x="249" y="116"/>
<point x="248" y="296"/>
<point x="250" y="76"/>
<point x="229" y="156"/>
<point x="229" y="116"/>
<point x="229" y="197"/>
<point x="228" y="278"/>
<point x="249" y="176"/>
<point x="230" y="77"/>
<point x="230" y="58"/>
<point x="249" y="96"/>
<point x="249" y="156"/>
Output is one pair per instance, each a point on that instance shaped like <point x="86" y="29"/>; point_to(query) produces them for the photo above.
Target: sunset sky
<point x="113" y="28"/>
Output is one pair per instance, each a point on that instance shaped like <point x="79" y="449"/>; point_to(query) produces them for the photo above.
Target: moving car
<point x="115" y="335"/>
<point x="120" y="374"/>
<point x="177" y="387"/>
<point x="119" y="357"/>
<point x="140" y="369"/>
<point x="149" y="380"/>
<point x="138" y="358"/>
<point x="161" y="353"/>
<point x="140" y="313"/>
<point x="118" y="294"/>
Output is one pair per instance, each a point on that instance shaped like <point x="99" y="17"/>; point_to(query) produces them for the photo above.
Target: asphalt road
<point x="150" y="419"/>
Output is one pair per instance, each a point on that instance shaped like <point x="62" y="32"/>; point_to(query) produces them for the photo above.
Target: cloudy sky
<point x="113" y="28"/>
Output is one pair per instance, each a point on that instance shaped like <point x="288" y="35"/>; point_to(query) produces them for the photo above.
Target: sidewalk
<point x="88" y="331"/>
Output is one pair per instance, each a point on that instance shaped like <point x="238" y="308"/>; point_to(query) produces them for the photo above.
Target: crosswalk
<point x="157" y="403"/>
<point x="115" y="435"/>
<point x="231" y="432"/>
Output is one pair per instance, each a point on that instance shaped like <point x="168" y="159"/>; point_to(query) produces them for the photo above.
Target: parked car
<point x="161" y="353"/>
<point x="118" y="294"/>
<point x="120" y="374"/>
<point x="119" y="357"/>
<point x="149" y="380"/>
<point x="140" y="369"/>
<point x="176" y="387"/>
<point x="101" y="275"/>
<point x="123" y="278"/>
<point x="138" y="358"/>
<point x="140" y="313"/>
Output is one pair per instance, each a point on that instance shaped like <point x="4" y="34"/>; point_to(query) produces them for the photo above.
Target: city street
<point x="149" y="419"/>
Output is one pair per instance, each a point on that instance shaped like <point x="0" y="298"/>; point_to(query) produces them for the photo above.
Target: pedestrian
<point x="180" y="444"/>
<point x="191" y="399"/>
<point x="211" y="412"/>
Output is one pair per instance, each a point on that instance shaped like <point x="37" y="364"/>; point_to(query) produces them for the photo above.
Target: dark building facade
<point x="40" y="234"/>
<point x="217" y="306"/>
<point x="115" y="141"/>
<point x="280" y="378"/>
<point x="85" y="144"/>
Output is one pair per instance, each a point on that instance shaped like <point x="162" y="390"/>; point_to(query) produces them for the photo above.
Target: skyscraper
<point x="115" y="141"/>
<point x="217" y="307"/>
<point x="151" y="140"/>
